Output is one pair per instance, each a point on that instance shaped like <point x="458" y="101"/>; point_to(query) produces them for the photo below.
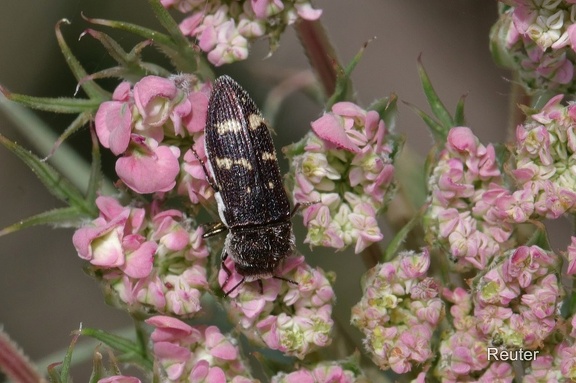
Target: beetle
<point x="243" y="171"/>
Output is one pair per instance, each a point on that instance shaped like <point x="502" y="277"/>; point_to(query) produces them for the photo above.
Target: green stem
<point x="141" y="337"/>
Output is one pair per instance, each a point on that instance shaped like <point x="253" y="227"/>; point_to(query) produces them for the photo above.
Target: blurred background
<point x="44" y="294"/>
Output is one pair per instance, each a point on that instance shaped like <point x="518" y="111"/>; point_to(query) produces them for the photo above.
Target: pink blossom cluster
<point x="399" y="311"/>
<point x="152" y="126"/>
<point x="224" y="29"/>
<point x="461" y="215"/>
<point x="344" y="172"/>
<point x="196" y="354"/>
<point x="346" y="371"/>
<point x="517" y="301"/>
<point x="546" y="368"/>
<point x="538" y="39"/>
<point x="463" y="348"/>
<point x="544" y="159"/>
<point x="150" y="260"/>
<point x="294" y="318"/>
<point x="557" y="361"/>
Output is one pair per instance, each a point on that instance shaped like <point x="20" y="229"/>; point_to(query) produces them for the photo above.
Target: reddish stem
<point x="320" y="53"/>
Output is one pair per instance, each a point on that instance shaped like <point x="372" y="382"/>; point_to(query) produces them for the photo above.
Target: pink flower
<point x="193" y="182"/>
<point x="148" y="259"/>
<point x="230" y="45"/>
<point x="346" y="165"/>
<point x="168" y="329"/>
<point x="115" y="243"/>
<point x="225" y="30"/>
<point x="266" y="8"/>
<point x="293" y="318"/>
<point x="195" y="121"/>
<point x="203" y="373"/>
<point x="113" y="124"/>
<point x="399" y="309"/>
<point x="462" y="215"/>
<point x="149" y="168"/>
<point x="119" y="379"/>
<point x="153" y="97"/>
<point x="196" y="354"/>
<point x="498" y="372"/>
<point x="330" y="128"/>
<point x="415" y="265"/>
<point x="461" y="354"/>
<point x="323" y="372"/>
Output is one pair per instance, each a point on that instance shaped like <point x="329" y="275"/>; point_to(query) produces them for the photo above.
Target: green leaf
<point x="56" y="184"/>
<point x="114" y="49"/>
<point x="441" y="121"/>
<point x="53" y="104"/>
<point x="62" y="217"/>
<point x="130" y="351"/>
<point x="396" y="243"/>
<point x="183" y="57"/>
<point x="131" y="67"/>
<point x="54" y="373"/>
<point x="539" y="237"/>
<point x="67" y="362"/>
<point x="81" y="120"/>
<point x="93" y="90"/>
<point x="436" y="127"/>
<point x="186" y="50"/>
<point x="66" y="160"/>
<point x="98" y="370"/>
<point x="438" y="108"/>
<point x="459" y="119"/>
<point x="170" y="25"/>
<point x="344" y="89"/>
<point x="387" y="108"/>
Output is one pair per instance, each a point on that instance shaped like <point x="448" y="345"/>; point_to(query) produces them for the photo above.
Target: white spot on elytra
<point x="228" y="126"/>
<point x="226" y="163"/>
<point x="255" y="120"/>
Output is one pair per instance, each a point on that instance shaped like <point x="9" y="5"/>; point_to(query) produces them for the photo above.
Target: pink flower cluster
<point x="463" y="349"/>
<point x="150" y="125"/>
<point x="538" y="39"/>
<point x="344" y="171"/>
<point x="544" y="159"/>
<point x="517" y="301"/>
<point x="196" y="354"/>
<point x="224" y="29"/>
<point x="557" y="362"/>
<point x="399" y="311"/>
<point x="292" y="318"/>
<point x="346" y="371"/>
<point x="148" y="259"/>
<point x="462" y="188"/>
